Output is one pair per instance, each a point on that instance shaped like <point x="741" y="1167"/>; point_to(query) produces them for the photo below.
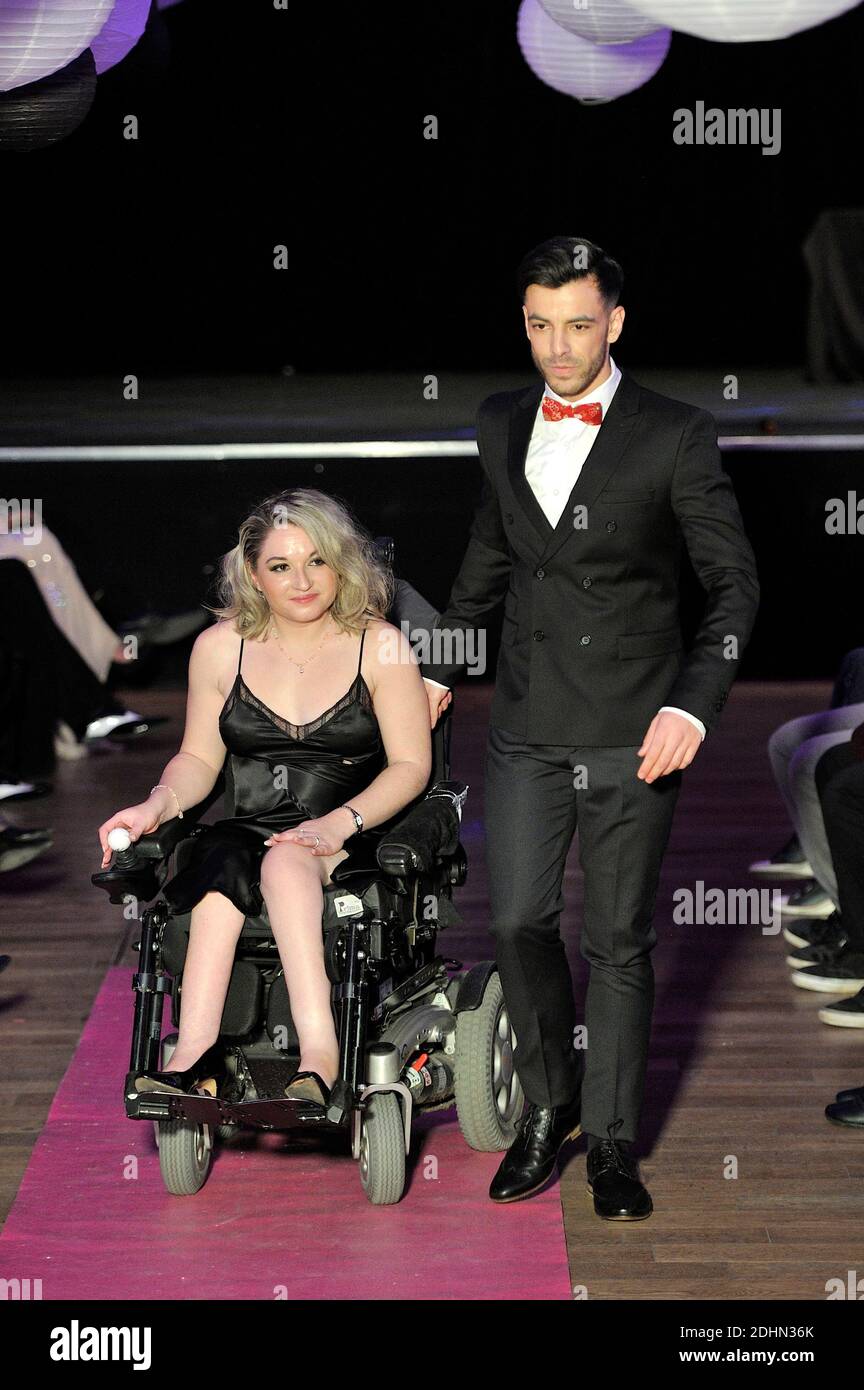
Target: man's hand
<point x="670" y="743"/>
<point x="439" y="699"/>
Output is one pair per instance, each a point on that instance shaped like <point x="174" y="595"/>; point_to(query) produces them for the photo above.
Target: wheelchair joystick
<point x="119" y="840"/>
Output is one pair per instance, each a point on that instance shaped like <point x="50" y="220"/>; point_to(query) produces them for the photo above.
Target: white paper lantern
<point x="120" y="33"/>
<point x="38" y="37"/>
<point x="588" y="71"/>
<point x="601" y="21"/>
<point x="742" y="21"/>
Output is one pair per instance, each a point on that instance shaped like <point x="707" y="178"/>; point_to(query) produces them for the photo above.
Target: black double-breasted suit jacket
<point x="591" y="644"/>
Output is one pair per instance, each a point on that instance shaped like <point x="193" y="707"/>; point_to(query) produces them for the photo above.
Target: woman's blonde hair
<point x="364" y="583"/>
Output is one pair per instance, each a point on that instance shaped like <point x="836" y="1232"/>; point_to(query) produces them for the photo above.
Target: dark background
<point x="304" y="127"/>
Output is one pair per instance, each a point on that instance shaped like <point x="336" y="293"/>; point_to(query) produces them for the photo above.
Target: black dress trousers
<point x="537" y="795"/>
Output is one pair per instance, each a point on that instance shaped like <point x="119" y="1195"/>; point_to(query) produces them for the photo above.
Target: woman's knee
<point x="286" y="862"/>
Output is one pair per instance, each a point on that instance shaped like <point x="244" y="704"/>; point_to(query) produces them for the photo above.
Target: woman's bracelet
<point x="165" y="787"/>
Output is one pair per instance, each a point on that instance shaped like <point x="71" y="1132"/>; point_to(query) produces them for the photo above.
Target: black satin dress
<point x="277" y="774"/>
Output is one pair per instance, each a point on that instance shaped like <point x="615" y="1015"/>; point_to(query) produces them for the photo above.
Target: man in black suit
<point x="591" y="487"/>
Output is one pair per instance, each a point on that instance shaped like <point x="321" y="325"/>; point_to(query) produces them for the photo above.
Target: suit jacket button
<point x="508" y="516"/>
<point x="585" y="640"/>
<point x="611" y="525"/>
<point x="586" y="583"/>
<point x="541" y="573"/>
<point x="539" y="635"/>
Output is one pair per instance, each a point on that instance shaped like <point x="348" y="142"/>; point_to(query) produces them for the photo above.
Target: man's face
<point x="570" y="330"/>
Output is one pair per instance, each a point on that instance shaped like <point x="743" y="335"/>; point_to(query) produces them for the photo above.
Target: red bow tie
<point x="591" y="412"/>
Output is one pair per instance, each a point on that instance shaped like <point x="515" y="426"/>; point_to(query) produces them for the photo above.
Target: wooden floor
<point x="756" y="1195"/>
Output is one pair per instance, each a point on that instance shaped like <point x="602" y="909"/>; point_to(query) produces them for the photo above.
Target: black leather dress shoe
<point x="210" y="1066"/>
<point x="848" y="1112"/>
<point x="615" y="1185"/>
<point x="532" y="1156"/>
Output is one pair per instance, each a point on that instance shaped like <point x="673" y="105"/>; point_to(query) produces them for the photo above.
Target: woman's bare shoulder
<point x="215" y="648"/>
<point x="388" y="647"/>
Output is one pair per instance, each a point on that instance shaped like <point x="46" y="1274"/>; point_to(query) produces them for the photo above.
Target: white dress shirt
<point x="556" y="455"/>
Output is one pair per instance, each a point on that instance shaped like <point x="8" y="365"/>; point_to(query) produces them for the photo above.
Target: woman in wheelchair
<point x="327" y="734"/>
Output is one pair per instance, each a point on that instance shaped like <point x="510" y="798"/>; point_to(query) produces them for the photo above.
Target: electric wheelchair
<point x="415" y="1031"/>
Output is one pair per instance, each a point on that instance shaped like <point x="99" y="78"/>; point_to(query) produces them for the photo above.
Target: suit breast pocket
<point x="625" y="497"/>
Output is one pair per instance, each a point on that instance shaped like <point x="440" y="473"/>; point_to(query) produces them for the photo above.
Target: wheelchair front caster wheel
<point x="185" y="1150"/>
<point x="185" y="1154"/>
<point x="382" y="1149"/>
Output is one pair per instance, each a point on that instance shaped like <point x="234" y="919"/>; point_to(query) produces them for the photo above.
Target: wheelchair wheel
<point x="185" y="1153"/>
<point x="184" y="1148"/>
<point x="489" y="1096"/>
<point x="382" y="1149"/>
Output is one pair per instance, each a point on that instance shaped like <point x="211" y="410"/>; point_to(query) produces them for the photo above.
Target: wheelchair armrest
<point x="162" y="841"/>
<point x="428" y="833"/>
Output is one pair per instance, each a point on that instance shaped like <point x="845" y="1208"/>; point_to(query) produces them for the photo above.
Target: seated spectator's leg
<point x="849" y="685"/>
<point x="788" y="738"/>
<point x="55" y="683"/>
<point x="840" y="782"/>
<point x="807" y="810"/>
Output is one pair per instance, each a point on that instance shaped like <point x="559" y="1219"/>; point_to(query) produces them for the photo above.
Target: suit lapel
<point x="606" y="453"/>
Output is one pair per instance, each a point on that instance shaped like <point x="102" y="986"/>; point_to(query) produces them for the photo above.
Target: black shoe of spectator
<point x="815" y="931"/>
<point x="820" y="953"/>
<point x="845" y="1013"/>
<point x="11" y="789"/>
<point x="19" y="847"/>
<point x="842" y="973"/>
<point x="847" y="1112"/>
<point x="788" y="862"/>
<point x="808" y="900"/>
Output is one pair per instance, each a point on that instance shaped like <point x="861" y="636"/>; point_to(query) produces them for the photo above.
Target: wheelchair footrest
<point x="277" y="1113"/>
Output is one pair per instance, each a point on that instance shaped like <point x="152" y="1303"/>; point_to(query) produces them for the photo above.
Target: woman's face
<point x="294" y="579"/>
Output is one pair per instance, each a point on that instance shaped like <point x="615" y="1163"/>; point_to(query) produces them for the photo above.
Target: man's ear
<point x="616" y="323"/>
<point x="525" y="319"/>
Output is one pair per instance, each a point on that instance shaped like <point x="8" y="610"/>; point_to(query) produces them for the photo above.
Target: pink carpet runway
<point x="279" y="1216"/>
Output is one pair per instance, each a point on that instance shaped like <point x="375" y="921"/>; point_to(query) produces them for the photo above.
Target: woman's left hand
<point x="330" y="831"/>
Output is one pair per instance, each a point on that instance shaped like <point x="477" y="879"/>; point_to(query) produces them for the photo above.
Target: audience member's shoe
<point x="124" y="725"/>
<point x="19" y="847"/>
<point x="803" y="931"/>
<point x="11" y="790"/>
<point x="614" y="1182"/>
<point x="820" y="953"/>
<point x="4" y="961"/>
<point x="846" y="1013"/>
<point x="852" y="1093"/>
<point x="847" y="1112"/>
<point x="532" y="1156"/>
<point x="788" y="862"/>
<point x="67" y="746"/>
<point x="810" y="900"/>
<point x="164" y="629"/>
<point x="842" y="974"/>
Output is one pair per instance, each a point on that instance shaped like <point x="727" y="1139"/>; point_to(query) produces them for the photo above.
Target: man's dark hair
<point x="562" y="258"/>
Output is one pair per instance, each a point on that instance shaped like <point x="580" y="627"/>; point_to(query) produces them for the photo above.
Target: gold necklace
<point x="306" y="660"/>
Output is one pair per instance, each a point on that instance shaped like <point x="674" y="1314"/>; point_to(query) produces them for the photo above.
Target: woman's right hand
<point x="138" y="820"/>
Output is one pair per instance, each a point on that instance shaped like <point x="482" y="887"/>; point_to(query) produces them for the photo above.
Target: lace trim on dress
<point x="301" y="731"/>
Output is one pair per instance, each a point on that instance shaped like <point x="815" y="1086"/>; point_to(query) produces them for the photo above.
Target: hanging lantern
<point x="601" y="21"/>
<point x="120" y="33"/>
<point x="742" y="21"/>
<point x="38" y="37"/>
<point x="41" y="113"/>
<point x="590" y="72"/>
